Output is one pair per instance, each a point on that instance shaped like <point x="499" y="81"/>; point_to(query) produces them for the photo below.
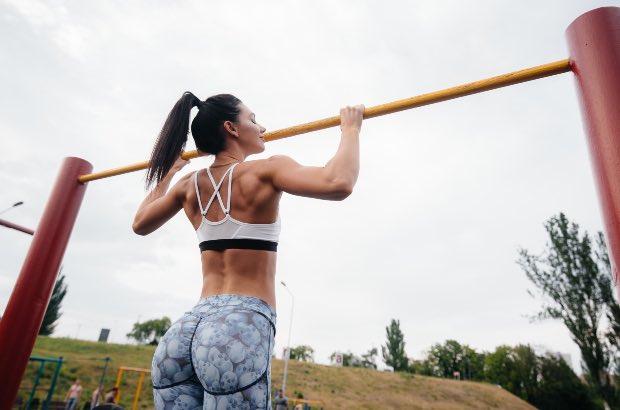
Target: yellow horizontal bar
<point x="516" y="77"/>
<point x="134" y="369"/>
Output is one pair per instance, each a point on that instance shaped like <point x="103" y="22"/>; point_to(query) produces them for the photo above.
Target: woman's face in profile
<point x="250" y="133"/>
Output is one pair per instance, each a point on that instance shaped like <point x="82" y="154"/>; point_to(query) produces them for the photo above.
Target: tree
<point x="546" y="381"/>
<point x="52" y="314"/>
<point x="516" y="369"/>
<point x="613" y="307"/>
<point x="499" y="367"/>
<point x="151" y="331"/>
<point x="444" y="360"/>
<point x="419" y="367"/>
<point x="473" y="364"/>
<point x="368" y="359"/>
<point x="559" y="387"/>
<point x="575" y="283"/>
<point x="525" y="372"/>
<point x="303" y="353"/>
<point x="394" y="350"/>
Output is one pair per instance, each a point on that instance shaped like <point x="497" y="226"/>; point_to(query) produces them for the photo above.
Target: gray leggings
<point x="216" y="357"/>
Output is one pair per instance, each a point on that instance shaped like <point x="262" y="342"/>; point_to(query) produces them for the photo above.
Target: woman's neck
<point x="227" y="157"/>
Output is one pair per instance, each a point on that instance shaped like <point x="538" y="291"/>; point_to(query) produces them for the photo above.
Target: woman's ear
<point x="230" y="128"/>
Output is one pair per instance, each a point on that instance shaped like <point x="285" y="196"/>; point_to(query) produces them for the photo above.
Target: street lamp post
<point x="288" y="346"/>
<point x="11" y="224"/>
<point x="12" y="206"/>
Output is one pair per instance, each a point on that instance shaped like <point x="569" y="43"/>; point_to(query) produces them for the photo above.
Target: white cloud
<point x="54" y="20"/>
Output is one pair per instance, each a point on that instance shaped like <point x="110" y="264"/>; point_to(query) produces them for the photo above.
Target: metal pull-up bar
<point x="504" y="80"/>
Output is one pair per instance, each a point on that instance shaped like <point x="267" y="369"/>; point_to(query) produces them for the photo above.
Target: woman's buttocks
<point x="224" y="343"/>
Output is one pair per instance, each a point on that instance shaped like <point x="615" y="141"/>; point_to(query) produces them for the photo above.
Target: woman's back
<point x="253" y="200"/>
<point x="251" y="206"/>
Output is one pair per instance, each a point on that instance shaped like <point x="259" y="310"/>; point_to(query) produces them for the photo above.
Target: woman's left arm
<point x="160" y="204"/>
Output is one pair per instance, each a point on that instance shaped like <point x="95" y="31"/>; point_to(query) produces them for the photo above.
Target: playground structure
<point x="34" y="401"/>
<point x="37" y="378"/>
<point x="102" y="379"/>
<point x="119" y="377"/>
<point x="594" y="44"/>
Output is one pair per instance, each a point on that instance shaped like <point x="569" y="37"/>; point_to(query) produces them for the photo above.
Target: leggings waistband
<point x="206" y="305"/>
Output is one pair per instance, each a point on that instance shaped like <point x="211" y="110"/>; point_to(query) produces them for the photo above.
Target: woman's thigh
<point x="187" y="396"/>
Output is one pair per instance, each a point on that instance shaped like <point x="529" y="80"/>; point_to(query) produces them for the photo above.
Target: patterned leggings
<point x="216" y="357"/>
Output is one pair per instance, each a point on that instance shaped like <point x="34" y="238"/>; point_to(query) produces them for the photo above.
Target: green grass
<point x="85" y="360"/>
<point x="338" y="388"/>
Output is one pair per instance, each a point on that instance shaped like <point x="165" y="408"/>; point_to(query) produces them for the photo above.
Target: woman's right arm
<point x="161" y="204"/>
<point x="335" y="180"/>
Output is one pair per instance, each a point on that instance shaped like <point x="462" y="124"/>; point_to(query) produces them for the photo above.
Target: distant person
<point x="110" y="396"/>
<point x="73" y="395"/>
<point x="96" y="396"/>
<point x="281" y="401"/>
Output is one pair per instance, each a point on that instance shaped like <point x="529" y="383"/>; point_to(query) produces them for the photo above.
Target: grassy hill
<point x="337" y="388"/>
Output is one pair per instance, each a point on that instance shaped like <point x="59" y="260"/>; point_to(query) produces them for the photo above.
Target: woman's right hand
<point x="351" y="118"/>
<point x="178" y="164"/>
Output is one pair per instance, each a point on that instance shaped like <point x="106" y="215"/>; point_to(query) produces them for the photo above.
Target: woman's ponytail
<point x="172" y="139"/>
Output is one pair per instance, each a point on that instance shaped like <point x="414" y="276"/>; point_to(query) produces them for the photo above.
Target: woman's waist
<point x="239" y="264"/>
<point x="256" y="279"/>
<point x="263" y="290"/>
<point x="222" y="303"/>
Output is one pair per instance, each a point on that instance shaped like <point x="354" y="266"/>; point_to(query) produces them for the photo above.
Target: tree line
<point x="573" y="279"/>
<point x="545" y="380"/>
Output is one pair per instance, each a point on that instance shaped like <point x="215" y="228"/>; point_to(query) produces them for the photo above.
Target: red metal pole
<point x="16" y="227"/>
<point x="594" y="44"/>
<point x="24" y="313"/>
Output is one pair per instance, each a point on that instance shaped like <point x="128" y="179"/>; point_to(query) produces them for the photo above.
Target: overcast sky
<point x="447" y="194"/>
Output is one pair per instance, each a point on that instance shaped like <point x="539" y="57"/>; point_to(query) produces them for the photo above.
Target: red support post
<point x="26" y="307"/>
<point x="594" y="44"/>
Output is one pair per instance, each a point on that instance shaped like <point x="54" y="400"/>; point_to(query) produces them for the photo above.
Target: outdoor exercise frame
<point x="35" y="384"/>
<point x="594" y="45"/>
<point x="119" y="377"/>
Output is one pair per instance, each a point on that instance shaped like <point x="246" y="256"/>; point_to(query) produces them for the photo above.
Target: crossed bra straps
<point x="229" y="233"/>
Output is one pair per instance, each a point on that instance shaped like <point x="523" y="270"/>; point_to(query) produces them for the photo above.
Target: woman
<point x="110" y="396"/>
<point x="218" y="355"/>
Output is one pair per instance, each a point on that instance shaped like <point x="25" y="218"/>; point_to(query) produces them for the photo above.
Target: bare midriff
<point x="240" y="272"/>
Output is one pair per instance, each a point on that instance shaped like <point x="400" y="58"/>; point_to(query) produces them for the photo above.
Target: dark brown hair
<point x="206" y="129"/>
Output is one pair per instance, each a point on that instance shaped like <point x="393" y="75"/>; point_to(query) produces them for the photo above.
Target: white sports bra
<point x="230" y="233"/>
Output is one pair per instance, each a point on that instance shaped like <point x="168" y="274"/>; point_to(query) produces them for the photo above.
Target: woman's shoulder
<point x="274" y="161"/>
<point x="268" y="166"/>
<point x="184" y="185"/>
<point x="186" y="179"/>
<point x="269" y="160"/>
